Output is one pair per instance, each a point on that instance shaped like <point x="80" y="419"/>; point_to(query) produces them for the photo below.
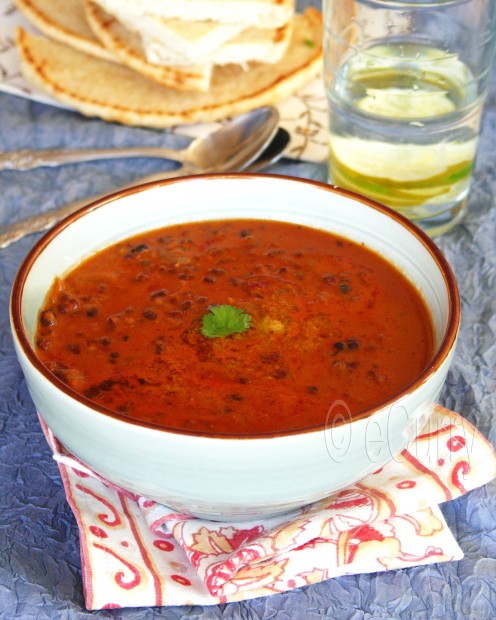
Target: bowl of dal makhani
<point x="235" y="345"/>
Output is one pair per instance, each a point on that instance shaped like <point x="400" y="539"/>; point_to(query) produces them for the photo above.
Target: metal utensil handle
<point x="43" y="221"/>
<point x="13" y="232"/>
<point x="27" y="160"/>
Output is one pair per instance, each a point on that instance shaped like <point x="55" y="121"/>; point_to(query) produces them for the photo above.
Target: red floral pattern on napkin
<point x="136" y="552"/>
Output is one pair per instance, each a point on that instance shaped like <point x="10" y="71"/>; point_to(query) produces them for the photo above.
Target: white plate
<point x="303" y="115"/>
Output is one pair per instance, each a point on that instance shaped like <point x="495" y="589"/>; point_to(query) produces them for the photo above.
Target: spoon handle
<point x="43" y="221"/>
<point x="27" y="159"/>
<point x="13" y="232"/>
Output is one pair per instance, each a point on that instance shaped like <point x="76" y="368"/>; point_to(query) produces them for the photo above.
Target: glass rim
<point x="397" y="4"/>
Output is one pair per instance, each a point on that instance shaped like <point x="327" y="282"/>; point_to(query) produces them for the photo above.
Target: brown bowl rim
<point x="445" y="347"/>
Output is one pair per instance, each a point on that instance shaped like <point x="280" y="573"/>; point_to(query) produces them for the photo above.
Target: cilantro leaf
<point x="224" y="320"/>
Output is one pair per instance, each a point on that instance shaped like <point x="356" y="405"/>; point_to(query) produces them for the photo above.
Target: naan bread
<point x="126" y="45"/>
<point x="116" y="93"/>
<point x="151" y="43"/>
<point x="64" y="21"/>
<point x="248" y="13"/>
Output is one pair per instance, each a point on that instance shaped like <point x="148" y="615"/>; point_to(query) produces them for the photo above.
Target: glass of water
<point x="406" y="82"/>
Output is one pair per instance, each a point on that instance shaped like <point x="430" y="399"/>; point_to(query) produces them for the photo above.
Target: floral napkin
<point x="136" y="552"/>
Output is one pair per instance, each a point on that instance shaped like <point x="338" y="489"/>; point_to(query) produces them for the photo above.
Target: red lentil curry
<point x="307" y="319"/>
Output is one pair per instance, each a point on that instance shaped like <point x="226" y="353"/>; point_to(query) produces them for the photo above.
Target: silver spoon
<point x="238" y="142"/>
<point x="37" y="223"/>
<point x="272" y="152"/>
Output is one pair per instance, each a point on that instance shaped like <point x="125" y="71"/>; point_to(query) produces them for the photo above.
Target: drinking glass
<point x="406" y="82"/>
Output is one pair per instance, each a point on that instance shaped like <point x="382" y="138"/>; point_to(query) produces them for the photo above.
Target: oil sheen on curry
<point x="235" y="327"/>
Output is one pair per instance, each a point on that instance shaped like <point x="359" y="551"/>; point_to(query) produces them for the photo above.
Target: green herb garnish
<point x="309" y="43"/>
<point x="224" y="320"/>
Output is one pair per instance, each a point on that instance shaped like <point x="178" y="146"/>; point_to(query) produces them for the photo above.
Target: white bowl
<point x="233" y="478"/>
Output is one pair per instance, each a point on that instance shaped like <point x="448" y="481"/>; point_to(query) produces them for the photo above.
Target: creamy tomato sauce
<point x="330" y="320"/>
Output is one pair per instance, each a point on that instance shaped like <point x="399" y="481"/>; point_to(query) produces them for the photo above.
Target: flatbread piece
<point x="253" y="44"/>
<point x="64" y="21"/>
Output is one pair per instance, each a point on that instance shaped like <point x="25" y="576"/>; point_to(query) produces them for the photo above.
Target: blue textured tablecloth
<point x="40" y="574"/>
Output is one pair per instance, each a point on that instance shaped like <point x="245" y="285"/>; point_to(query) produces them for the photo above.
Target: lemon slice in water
<point x="409" y="103"/>
<point x="400" y="162"/>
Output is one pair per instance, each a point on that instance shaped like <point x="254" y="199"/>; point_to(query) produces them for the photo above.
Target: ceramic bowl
<point x="233" y="478"/>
